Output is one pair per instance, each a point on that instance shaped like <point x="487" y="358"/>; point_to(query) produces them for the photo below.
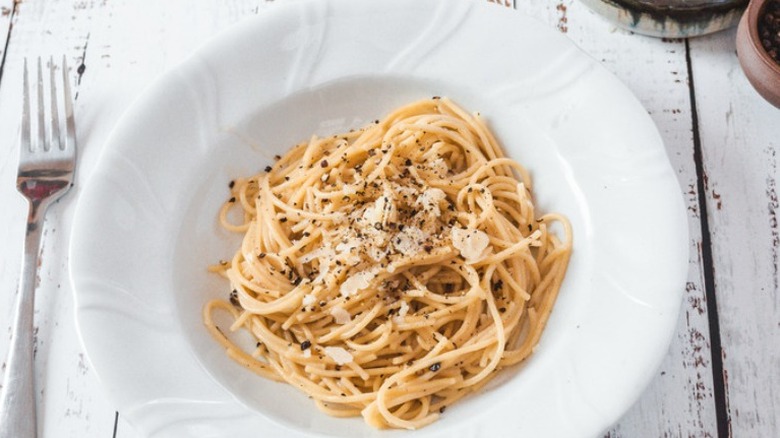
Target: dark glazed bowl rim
<point x="681" y="13"/>
<point x="671" y="18"/>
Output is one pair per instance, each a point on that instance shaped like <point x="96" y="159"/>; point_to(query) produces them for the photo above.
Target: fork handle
<point x="17" y="405"/>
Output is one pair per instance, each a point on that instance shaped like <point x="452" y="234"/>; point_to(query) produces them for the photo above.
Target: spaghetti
<point x="390" y="271"/>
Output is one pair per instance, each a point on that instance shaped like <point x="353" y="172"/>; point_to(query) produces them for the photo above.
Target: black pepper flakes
<point x="268" y="168"/>
<point x="305" y="345"/>
<point x="324" y="163"/>
<point x="435" y="367"/>
<point x="231" y="184"/>
<point x="232" y="199"/>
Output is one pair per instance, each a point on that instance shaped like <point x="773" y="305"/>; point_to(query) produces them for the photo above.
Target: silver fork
<point x="46" y="168"/>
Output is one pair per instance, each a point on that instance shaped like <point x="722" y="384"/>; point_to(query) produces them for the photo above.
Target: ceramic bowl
<point x="671" y="18"/>
<point x="762" y="71"/>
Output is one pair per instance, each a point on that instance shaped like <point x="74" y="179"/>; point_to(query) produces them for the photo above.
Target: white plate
<point x="146" y="225"/>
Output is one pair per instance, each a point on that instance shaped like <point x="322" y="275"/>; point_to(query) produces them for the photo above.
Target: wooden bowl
<point x="761" y="70"/>
<point x="671" y="18"/>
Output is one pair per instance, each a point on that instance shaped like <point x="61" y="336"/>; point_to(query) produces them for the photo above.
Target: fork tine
<point x="26" y="144"/>
<point x="55" y="116"/>
<point x="70" y="123"/>
<point x="41" y="144"/>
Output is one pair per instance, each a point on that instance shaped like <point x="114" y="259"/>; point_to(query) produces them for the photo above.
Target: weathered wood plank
<point x="740" y="136"/>
<point x="69" y="397"/>
<point x="123" y="48"/>
<point x="6" y="17"/>
<point x="680" y="400"/>
<point x="114" y="50"/>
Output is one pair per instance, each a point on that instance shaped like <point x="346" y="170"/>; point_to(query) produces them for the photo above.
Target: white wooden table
<point x="721" y="376"/>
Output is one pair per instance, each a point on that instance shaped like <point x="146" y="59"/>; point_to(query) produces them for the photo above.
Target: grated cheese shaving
<point x="340" y="315"/>
<point x="439" y="166"/>
<point x="470" y="242"/>
<point x="402" y="311"/>
<point x="408" y="242"/>
<point x="430" y="199"/>
<point x="359" y="281"/>
<point x="309" y="299"/>
<point x="324" y="269"/>
<point x="339" y="355"/>
<point x="376" y="254"/>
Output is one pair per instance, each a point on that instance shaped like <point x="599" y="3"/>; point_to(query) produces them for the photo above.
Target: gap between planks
<point x="721" y="412"/>
<point x="8" y="13"/>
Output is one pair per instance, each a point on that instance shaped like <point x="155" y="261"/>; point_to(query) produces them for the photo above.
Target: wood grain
<point x="680" y="401"/>
<point x="740" y="136"/>
<point x="6" y="16"/>
<point x="70" y="401"/>
<point x="117" y="48"/>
